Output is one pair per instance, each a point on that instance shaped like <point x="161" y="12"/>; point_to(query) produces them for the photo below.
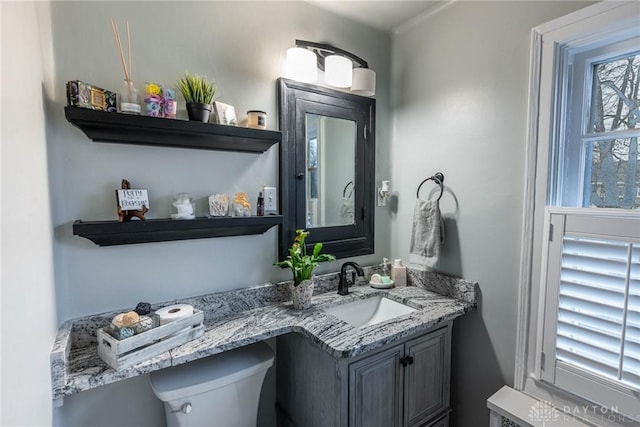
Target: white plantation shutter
<point x="631" y="360"/>
<point x="593" y="298"/>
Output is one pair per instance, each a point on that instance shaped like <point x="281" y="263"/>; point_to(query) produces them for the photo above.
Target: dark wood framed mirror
<point x="327" y="168"/>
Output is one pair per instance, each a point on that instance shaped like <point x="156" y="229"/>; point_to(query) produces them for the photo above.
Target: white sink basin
<point x="369" y="311"/>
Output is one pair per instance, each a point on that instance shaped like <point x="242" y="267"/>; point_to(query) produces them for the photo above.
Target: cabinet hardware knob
<point x="410" y="360"/>
<point x="403" y="361"/>
<point x="300" y="175"/>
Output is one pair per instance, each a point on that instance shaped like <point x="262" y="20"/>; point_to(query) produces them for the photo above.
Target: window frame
<point x="550" y="43"/>
<point x="576" y="133"/>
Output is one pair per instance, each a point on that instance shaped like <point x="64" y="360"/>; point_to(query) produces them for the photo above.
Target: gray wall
<point x="242" y="46"/>
<point x="28" y="312"/>
<point x="459" y="84"/>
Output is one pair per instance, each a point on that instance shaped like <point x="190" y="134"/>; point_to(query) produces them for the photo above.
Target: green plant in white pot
<point x="198" y="93"/>
<point x="302" y="265"/>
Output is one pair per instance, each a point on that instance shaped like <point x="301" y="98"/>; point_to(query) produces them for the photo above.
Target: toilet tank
<point x="219" y="390"/>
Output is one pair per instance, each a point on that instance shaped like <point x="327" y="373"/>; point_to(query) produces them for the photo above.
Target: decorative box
<point x="122" y="353"/>
<point x="84" y="95"/>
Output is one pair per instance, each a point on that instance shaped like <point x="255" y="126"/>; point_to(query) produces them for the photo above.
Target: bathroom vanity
<point x="330" y="372"/>
<point x="404" y="383"/>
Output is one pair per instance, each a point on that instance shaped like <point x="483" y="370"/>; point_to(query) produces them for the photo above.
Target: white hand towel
<point x="346" y="211"/>
<point x="427" y="235"/>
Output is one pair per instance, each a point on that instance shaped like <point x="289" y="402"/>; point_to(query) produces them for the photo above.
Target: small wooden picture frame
<point x="225" y="114"/>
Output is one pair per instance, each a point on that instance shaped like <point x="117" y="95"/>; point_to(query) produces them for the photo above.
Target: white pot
<point x="301" y="294"/>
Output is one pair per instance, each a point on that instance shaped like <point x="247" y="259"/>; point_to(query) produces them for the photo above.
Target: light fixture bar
<point x="322" y="50"/>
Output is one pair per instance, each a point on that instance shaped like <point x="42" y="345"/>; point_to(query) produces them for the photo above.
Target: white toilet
<point x="220" y="390"/>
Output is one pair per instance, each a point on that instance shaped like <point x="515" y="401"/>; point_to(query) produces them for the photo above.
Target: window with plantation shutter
<point x="593" y="299"/>
<point x="579" y="306"/>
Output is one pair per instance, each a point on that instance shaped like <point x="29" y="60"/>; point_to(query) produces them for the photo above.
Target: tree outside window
<point x="614" y="162"/>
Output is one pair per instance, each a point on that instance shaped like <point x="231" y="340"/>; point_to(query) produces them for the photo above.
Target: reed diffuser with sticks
<point x="128" y="96"/>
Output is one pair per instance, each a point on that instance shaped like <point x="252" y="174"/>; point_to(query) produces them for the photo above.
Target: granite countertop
<point x="237" y="318"/>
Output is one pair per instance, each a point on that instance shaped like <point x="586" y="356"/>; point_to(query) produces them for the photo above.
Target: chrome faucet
<point x="343" y="285"/>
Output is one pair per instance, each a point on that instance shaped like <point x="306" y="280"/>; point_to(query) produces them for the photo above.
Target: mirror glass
<point x="330" y="162"/>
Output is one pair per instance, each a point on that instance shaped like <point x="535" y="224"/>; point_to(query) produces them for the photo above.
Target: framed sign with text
<point x="132" y="202"/>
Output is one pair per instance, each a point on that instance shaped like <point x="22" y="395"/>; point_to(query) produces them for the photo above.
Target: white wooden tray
<point x="121" y="354"/>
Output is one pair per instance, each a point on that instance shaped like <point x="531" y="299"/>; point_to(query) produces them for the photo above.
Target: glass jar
<point x="129" y="99"/>
<point x="256" y="119"/>
<point x="184" y="206"/>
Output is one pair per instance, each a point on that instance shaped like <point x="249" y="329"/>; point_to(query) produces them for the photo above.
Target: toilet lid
<point x="211" y="372"/>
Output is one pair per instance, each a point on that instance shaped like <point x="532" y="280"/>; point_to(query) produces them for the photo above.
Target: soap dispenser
<point x="385" y="271"/>
<point x="399" y="273"/>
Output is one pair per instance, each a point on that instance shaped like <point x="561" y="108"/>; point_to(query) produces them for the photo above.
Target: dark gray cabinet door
<point x="375" y="390"/>
<point x="426" y="387"/>
<point x="442" y="422"/>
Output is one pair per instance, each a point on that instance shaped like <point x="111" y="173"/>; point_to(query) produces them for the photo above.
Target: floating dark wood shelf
<point x="109" y="233"/>
<point x="101" y="126"/>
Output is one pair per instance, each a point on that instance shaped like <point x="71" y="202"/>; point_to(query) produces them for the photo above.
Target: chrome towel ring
<point x="438" y="177"/>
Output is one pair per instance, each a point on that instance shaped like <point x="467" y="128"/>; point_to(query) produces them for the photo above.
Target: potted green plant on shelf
<point x="198" y="93"/>
<point x="302" y="265"/>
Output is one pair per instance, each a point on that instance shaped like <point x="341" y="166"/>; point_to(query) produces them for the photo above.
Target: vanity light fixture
<point x="301" y="65"/>
<point x="337" y="71"/>
<point x="364" y="82"/>
<point x="341" y="68"/>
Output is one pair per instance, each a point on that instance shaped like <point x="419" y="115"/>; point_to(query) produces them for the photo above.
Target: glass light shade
<point x="337" y="71"/>
<point x="364" y="82"/>
<point x="301" y="65"/>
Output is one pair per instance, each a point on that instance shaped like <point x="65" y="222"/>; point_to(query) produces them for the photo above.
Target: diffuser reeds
<point x="116" y="34"/>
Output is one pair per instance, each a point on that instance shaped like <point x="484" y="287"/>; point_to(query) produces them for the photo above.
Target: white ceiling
<point x="385" y="15"/>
